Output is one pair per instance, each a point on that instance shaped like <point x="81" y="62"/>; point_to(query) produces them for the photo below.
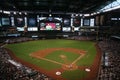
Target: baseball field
<point x="58" y="58"/>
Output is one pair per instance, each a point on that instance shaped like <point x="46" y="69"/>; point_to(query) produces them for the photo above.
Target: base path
<point x="78" y="59"/>
<point x="43" y="53"/>
<point x="66" y="65"/>
<point x="47" y="60"/>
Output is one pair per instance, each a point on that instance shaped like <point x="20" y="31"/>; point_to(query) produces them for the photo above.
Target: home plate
<point x="58" y="73"/>
<point x="87" y="70"/>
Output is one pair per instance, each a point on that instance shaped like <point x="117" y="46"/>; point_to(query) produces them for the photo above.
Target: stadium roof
<point x="66" y="6"/>
<point x="112" y="6"/>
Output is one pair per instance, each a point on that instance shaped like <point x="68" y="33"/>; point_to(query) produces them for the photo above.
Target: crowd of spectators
<point x="10" y="69"/>
<point x="110" y="62"/>
<point x="81" y="38"/>
<point x="17" y="40"/>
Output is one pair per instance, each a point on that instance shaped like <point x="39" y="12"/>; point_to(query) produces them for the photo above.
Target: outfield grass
<point x="23" y="50"/>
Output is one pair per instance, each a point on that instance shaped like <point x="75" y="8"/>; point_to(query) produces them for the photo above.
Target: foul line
<point x="78" y="59"/>
<point x="80" y="56"/>
<point x="59" y="62"/>
<point x="49" y="60"/>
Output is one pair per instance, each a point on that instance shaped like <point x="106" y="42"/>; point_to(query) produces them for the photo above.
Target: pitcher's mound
<point x="63" y="56"/>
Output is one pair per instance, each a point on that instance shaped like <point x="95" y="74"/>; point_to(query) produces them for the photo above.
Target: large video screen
<point x="32" y="22"/>
<point x="86" y="22"/>
<point x="114" y="19"/>
<point x="66" y="29"/>
<point x="20" y="28"/>
<point x="92" y="22"/>
<point x="50" y="26"/>
<point x="76" y="29"/>
<point x="19" y="22"/>
<point x="32" y="29"/>
<point x="76" y="22"/>
<point x="5" y="21"/>
<point x="66" y="22"/>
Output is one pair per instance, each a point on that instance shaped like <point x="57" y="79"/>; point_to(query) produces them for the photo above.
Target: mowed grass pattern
<point x="23" y="50"/>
